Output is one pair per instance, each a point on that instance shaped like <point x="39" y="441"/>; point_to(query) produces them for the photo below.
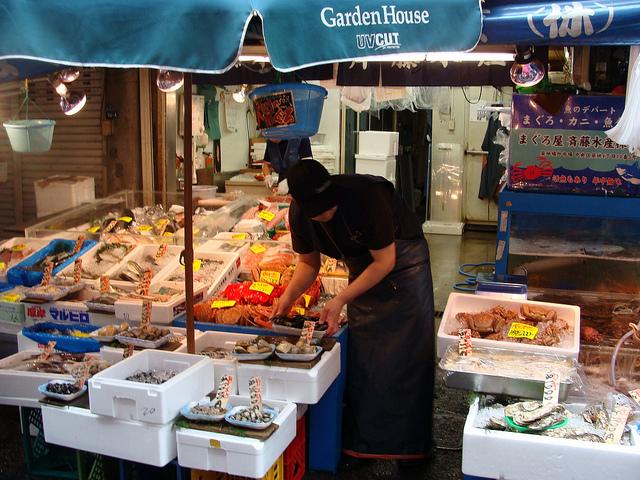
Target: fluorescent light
<point x="254" y="58"/>
<point x="444" y="57"/>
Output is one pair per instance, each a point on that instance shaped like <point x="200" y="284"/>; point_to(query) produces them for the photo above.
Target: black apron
<point x="390" y="367"/>
<point x="282" y="163"/>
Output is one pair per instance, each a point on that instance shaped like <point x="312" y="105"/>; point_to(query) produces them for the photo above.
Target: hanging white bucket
<point x="30" y="136"/>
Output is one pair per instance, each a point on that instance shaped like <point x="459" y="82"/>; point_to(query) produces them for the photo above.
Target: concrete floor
<point x="450" y="406"/>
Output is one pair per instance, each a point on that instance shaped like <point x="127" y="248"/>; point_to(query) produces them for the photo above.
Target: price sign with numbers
<point x="223" y="303"/>
<point x="82" y="376"/>
<point x="464" y="342"/>
<point x="47" y="350"/>
<point x="239" y="236"/>
<point x="258" y="249"/>
<point x="105" y="284"/>
<point x="522" y="330"/>
<point x="551" y="388"/>
<point x="145" y="282"/>
<point x="270" y="277"/>
<point x="255" y="392"/>
<point x="162" y="251"/>
<point x="224" y="390"/>
<point x="266" y="215"/>
<point x="46" y="274"/>
<point x="147" y="306"/>
<point x="307" y="331"/>
<point x="617" y="421"/>
<point x="299" y="310"/>
<point x="77" y="270"/>
<point x="128" y="352"/>
<point x="110" y="227"/>
<point x="78" y="245"/>
<point x="265" y="288"/>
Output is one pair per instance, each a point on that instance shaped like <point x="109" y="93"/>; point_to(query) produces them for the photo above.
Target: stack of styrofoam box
<point x="59" y="192"/>
<point x="129" y="420"/>
<point x="377" y="153"/>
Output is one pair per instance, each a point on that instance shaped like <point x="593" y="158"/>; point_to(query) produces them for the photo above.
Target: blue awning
<point x="603" y="22"/>
<point x="206" y="35"/>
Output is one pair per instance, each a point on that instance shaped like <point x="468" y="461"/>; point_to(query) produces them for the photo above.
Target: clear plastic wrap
<point x="627" y="131"/>
<point x="512" y="372"/>
<point x="356" y="98"/>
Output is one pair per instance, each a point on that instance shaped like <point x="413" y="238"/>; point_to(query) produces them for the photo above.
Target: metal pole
<point x="188" y="213"/>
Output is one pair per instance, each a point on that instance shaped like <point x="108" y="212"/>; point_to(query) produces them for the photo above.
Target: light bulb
<point x="528" y="74"/>
<point x="526" y="71"/>
<point x="73" y="102"/>
<point x="169" y="80"/>
<point x="68" y="75"/>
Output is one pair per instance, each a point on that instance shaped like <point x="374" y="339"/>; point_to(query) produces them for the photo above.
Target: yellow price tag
<point x="307" y="300"/>
<point x="214" y="443"/>
<point x="3" y="265"/>
<point x="19" y="247"/>
<point x="270" y="277"/>
<point x="522" y="330"/>
<point x="11" y="298"/>
<point x="258" y="249"/>
<point x="266" y="215"/>
<point x="223" y="303"/>
<point x="282" y="232"/>
<point x="261" y="287"/>
<point x="197" y="265"/>
<point x="167" y="234"/>
<point x="299" y="310"/>
<point x="239" y="236"/>
<point x="145" y="228"/>
<point x="94" y="229"/>
<point x="125" y="219"/>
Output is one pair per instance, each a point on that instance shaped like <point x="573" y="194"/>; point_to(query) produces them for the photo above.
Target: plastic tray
<point x="235" y="455"/>
<point x="19" y="275"/>
<point x="65" y="343"/>
<point x="32" y="244"/>
<point x="251" y="425"/>
<point x="300" y="357"/>
<point x="66" y="398"/>
<point x="460" y="302"/>
<point x="185" y="411"/>
<point x="111" y="395"/>
<point x="143" y="343"/>
<point x="63" y="291"/>
<point x="254" y="356"/>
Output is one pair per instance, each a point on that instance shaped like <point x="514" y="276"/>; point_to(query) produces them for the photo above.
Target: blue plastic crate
<point x="20" y="273"/>
<point x="308" y="102"/>
<point x="65" y="343"/>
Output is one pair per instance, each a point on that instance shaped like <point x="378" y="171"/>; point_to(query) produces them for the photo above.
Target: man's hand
<point x="331" y="314"/>
<point x="281" y="307"/>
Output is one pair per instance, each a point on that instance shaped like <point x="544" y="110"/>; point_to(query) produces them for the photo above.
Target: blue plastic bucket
<point x="277" y="121"/>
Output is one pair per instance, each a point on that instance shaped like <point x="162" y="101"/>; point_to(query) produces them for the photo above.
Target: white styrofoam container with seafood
<point x="74" y="311"/>
<point x="227" y="245"/>
<point x="267" y="255"/>
<point x="558" y="326"/>
<point x="293" y="384"/>
<point x="102" y="259"/>
<point x="112" y="395"/>
<point x="511" y="455"/>
<point x="16" y="249"/>
<point x="131" y="269"/>
<point x="213" y="269"/>
<point x="169" y="301"/>
<point x="80" y="429"/>
<point x="235" y="455"/>
<point x="218" y="346"/>
<point x="22" y="373"/>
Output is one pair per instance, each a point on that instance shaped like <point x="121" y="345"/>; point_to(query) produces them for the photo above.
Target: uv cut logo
<point x="378" y="41"/>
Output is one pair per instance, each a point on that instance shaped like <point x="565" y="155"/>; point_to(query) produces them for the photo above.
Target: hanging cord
<point x="635" y="333"/>
<point x="25" y="103"/>
<point x="467" y="98"/>
<point x="470" y="283"/>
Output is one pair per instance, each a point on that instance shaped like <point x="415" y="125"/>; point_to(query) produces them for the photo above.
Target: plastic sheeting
<point x="362" y="99"/>
<point x="627" y="131"/>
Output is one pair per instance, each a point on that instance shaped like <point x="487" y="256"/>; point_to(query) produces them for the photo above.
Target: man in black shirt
<point x="362" y="220"/>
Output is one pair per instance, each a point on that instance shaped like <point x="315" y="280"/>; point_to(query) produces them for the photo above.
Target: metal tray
<point x="495" y="384"/>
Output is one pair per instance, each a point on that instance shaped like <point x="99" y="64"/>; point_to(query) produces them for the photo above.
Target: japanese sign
<point x="277" y="110"/>
<point x="568" y="150"/>
<point x="566" y="22"/>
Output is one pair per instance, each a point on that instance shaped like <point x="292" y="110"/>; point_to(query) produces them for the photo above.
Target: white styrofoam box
<point x="221" y="340"/>
<point x="11" y="314"/>
<point x="224" y="275"/>
<point x="462" y="302"/>
<point x="32" y="245"/>
<point x="378" y="143"/>
<point x="293" y="384"/>
<point x="20" y="388"/>
<point x="114" y="355"/>
<point x="510" y="455"/>
<point x="111" y="395"/>
<point x="80" y="429"/>
<point x="162" y="313"/>
<point x="57" y="193"/>
<point x="246" y="457"/>
<point x="376" y="165"/>
<point x="142" y="251"/>
<point x="66" y="311"/>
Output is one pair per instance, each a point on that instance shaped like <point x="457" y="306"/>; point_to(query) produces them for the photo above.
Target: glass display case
<point x="222" y="211"/>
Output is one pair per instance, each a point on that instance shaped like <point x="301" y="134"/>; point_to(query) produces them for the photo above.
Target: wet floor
<point x="450" y="406"/>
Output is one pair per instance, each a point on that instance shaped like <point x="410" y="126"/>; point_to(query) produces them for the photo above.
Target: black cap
<point x="311" y="187"/>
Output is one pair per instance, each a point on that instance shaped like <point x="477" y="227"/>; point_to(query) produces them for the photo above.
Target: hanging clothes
<point x="211" y="111"/>
<point x="492" y="171"/>
<point x="391" y="333"/>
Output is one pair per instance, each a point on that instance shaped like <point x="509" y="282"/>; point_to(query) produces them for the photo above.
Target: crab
<point x="535" y="313"/>
<point x="532" y="172"/>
